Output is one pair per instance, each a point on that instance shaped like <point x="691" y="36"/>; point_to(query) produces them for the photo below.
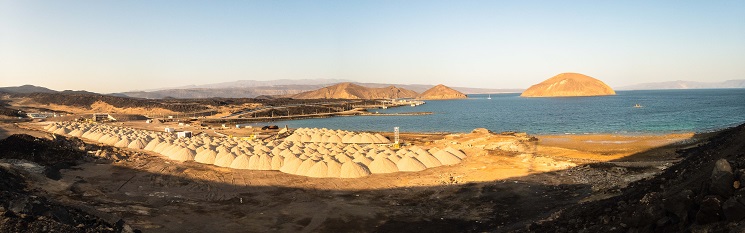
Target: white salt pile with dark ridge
<point x="319" y="153"/>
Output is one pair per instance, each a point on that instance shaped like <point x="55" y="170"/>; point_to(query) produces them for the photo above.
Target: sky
<point x="115" y="46"/>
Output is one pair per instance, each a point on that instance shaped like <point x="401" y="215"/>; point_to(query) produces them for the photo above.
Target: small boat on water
<point x="637" y="105"/>
<point x="489" y="97"/>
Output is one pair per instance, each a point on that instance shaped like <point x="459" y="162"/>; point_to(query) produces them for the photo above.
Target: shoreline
<point x="138" y="124"/>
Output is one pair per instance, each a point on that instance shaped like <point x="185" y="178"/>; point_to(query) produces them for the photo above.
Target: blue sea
<point x="662" y="111"/>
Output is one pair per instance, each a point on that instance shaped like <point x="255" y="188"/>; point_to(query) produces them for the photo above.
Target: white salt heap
<point x="318" y="153"/>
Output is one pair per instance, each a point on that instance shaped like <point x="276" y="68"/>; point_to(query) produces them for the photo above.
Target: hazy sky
<point x="111" y="46"/>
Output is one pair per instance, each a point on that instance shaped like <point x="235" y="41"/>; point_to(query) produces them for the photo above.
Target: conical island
<point x="441" y="92"/>
<point x="569" y="84"/>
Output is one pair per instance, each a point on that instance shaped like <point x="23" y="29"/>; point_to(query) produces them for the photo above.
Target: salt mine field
<point x="318" y="153"/>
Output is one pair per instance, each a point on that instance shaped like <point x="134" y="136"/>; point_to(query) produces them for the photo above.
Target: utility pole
<point x="396" y="138"/>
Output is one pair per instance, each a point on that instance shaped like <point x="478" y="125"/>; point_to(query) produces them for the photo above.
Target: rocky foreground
<point x="702" y="193"/>
<point x="58" y="184"/>
<point x="26" y="209"/>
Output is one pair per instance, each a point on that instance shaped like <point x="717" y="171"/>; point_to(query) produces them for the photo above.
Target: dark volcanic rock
<point x="27" y="210"/>
<point x="55" y="154"/>
<point x="691" y="200"/>
<point x="740" y="196"/>
<point x="648" y="212"/>
<point x="733" y="210"/>
<point x="722" y="179"/>
<point x="710" y="211"/>
<point x="679" y="204"/>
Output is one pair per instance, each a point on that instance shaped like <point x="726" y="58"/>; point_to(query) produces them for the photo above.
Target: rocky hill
<point x="238" y="92"/>
<point x="281" y="87"/>
<point x="569" y="84"/>
<point x="441" y="92"/>
<point x="354" y="91"/>
<point x="89" y="101"/>
<point x="27" y="89"/>
<point x="259" y="83"/>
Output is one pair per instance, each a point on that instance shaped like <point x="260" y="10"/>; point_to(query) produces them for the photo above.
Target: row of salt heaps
<point x="315" y="159"/>
<point x="335" y="136"/>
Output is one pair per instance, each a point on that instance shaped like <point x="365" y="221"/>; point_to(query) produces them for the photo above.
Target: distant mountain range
<point x="349" y="90"/>
<point x="287" y="87"/>
<point x="738" y="83"/>
<point x="237" y="92"/>
<point x="353" y="91"/>
<point x="27" y="89"/>
<point x="256" y="83"/>
<point x="282" y="87"/>
<point x="248" y="89"/>
<point x="424" y="87"/>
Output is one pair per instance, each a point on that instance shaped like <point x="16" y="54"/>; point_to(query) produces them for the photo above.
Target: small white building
<point x="170" y="130"/>
<point x="102" y="117"/>
<point x="184" y="134"/>
<point x="40" y="115"/>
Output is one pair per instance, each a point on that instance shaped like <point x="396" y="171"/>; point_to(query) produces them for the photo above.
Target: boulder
<point x="722" y="179"/>
<point x="679" y="204"/>
<point x="481" y="131"/>
<point x="647" y="212"/>
<point x="710" y="210"/>
<point x="733" y="210"/>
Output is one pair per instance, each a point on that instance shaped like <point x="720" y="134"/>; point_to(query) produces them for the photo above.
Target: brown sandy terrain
<point x="224" y="111"/>
<point x="507" y="181"/>
<point x="604" y="147"/>
<point x="97" y="107"/>
<point x="7" y="129"/>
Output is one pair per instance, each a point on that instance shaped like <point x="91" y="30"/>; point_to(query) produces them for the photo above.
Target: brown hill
<point x="441" y="92"/>
<point x="354" y="91"/>
<point x="569" y="84"/>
